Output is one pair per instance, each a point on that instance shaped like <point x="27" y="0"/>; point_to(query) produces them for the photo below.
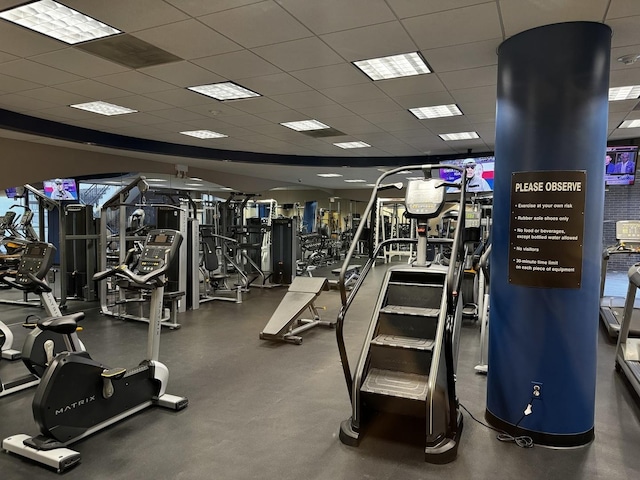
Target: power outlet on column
<point x="536" y="390"/>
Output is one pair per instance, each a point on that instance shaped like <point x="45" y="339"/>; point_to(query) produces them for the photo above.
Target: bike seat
<point x="64" y="325"/>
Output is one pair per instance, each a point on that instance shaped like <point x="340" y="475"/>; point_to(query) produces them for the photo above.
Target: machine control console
<point x="628" y="236"/>
<point x="159" y="249"/>
<point x="37" y="260"/>
<point x="424" y="198"/>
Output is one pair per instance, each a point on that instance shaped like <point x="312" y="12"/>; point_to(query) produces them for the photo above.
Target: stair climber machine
<point x="40" y="347"/>
<point x="407" y="364"/>
<point x="79" y="396"/>
<point x="628" y="349"/>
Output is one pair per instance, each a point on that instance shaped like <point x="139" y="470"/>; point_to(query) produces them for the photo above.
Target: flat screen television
<point x="10" y="192"/>
<point x="60" y="189"/>
<point x="479" y="171"/>
<point x="620" y="165"/>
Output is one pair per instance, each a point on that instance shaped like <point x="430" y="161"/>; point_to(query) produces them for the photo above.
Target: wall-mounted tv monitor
<point x="620" y="165"/>
<point x="479" y="172"/>
<point x="10" y="192"/>
<point x="61" y="189"/>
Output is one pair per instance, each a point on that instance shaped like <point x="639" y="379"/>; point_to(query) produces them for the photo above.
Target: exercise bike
<point x="40" y="347"/>
<point x="79" y="396"/>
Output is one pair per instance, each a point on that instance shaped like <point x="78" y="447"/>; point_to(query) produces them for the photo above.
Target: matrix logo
<point x="74" y="405"/>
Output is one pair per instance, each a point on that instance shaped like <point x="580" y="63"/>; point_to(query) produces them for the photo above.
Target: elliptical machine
<point x="40" y="347"/>
<point x="79" y="396"/>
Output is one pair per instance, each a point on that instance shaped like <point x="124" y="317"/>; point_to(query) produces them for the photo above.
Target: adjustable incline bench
<point x="284" y="325"/>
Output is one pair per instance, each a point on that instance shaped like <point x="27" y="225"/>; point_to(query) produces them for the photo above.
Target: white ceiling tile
<point x="275" y="84"/>
<point x="259" y="105"/>
<point x="462" y="57"/>
<point x="411" y="85"/>
<point x="519" y="16"/>
<point x="324" y="111"/>
<point x="473" y="77"/>
<point x="245" y="120"/>
<point x="354" y="93"/>
<point x="238" y="65"/>
<point x="303" y="99"/>
<point x="299" y="54"/>
<point x="177" y="115"/>
<point x="78" y="62"/>
<point x="371" y="42"/>
<point x="27" y="70"/>
<point x="20" y="103"/>
<point x="188" y="39"/>
<point x="335" y="15"/>
<point x="92" y="89"/>
<point x="411" y="8"/>
<point x="182" y="74"/>
<point x="145" y="119"/>
<point x="14" y="84"/>
<point x="135" y="82"/>
<point x="204" y="7"/>
<point x="129" y="16"/>
<point x="243" y="24"/>
<point x="181" y="97"/>
<point x="625" y="77"/>
<point x="7" y="57"/>
<point x="331" y="76"/>
<point x="487" y="93"/>
<point x="425" y="99"/>
<point x="626" y="31"/>
<point x="377" y="106"/>
<point x="623" y="8"/>
<point x="22" y="42"/>
<point x="472" y="24"/>
<point x="56" y="96"/>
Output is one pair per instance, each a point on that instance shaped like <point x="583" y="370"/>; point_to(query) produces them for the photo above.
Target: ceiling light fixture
<point x="629" y="59"/>
<point x="58" y="21"/>
<point x="352" y="145"/>
<point x="204" y="134"/>
<point x="329" y="175"/>
<point x="103" y="108"/>
<point x="305" y="125"/>
<point x="447" y="137"/>
<point x="404" y="65"/>
<point x="436" y="111"/>
<point x="629" y="92"/>
<point x="630" y="124"/>
<point x="356" y="181"/>
<point x="224" y="91"/>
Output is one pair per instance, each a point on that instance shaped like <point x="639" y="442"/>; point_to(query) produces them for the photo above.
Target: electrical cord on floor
<point x="523" y="441"/>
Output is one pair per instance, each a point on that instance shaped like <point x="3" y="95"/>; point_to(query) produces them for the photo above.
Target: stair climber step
<point x="407" y="310"/>
<point x="396" y="384"/>
<point x="412" y="343"/>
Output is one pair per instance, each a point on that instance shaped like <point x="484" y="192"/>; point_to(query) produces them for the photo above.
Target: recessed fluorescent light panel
<point x="630" y="124"/>
<point x="624" y="93"/>
<point x="356" y="181"/>
<point x="55" y="20"/>
<point x="329" y="175"/>
<point x="224" y="91"/>
<point x="103" y="108"/>
<point x="458" y="136"/>
<point x="395" y="66"/>
<point x="204" y="134"/>
<point x="352" y="145"/>
<point x="305" y="125"/>
<point x="436" y="111"/>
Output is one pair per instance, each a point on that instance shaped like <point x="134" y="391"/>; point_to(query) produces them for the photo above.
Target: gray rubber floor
<point x="260" y="410"/>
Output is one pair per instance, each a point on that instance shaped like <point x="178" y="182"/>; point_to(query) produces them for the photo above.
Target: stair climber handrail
<point x="346" y="301"/>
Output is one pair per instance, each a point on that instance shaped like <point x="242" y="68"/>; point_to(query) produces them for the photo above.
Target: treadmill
<point x="612" y="307"/>
<point x="628" y="349"/>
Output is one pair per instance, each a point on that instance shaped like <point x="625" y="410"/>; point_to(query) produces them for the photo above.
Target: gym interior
<point x="323" y="269"/>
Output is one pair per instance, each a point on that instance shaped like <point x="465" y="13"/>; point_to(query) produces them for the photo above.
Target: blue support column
<point x="551" y="132"/>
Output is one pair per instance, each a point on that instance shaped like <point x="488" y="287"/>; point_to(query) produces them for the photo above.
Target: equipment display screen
<point x="161" y="238"/>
